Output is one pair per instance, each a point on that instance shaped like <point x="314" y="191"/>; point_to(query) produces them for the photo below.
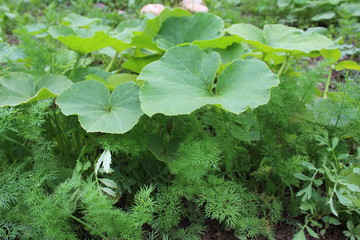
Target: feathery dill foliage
<point x="197" y="187"/>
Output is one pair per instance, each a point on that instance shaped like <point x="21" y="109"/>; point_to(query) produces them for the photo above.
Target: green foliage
<point x="244" y="129"/>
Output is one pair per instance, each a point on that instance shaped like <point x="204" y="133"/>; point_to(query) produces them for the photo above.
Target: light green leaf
<point x="319" y="30"/>
<point x="86" y="41"/>
<point x="220" y="43"/>
<point x="108" y="191"/>
<point x="108" y="182"/>
<point x="114" y="80"/>
<point x="323" y="16"/>
<point x="280" y="38"/>
<point x="100" y="111"/>
<point x="300" y="236"/>
<point x="311" y="232"/>
<point x="183" y="80"/>
<point x="332" y="55"/>
<point x="332" y="208"/>
<point x="18" y="88"/>
<point x="307" y="192"/>
<point x="144" y="39"/>
<point x="347" y="65"/>
<point x="343" y="200"/>
<point x="137" y="64"/>
<point x="349" y="9"/>
<point x="301" y="176"/>
<point x="283" y="3"/>
<point x="4" y="50"/>
<point x="232" y="52"/>
<point x="350" y="225"/>
<point x="78" y="20"/>
<point x="200" y="27"/>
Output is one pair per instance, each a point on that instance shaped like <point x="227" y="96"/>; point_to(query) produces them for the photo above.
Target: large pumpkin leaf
<point x="183" y="80"/>
<point x="280" y="38"/>
<point x="85" y="40"/>
<point x="98" y="109"/>
<point x="76" y="20"/>
<point x="17" y="88"/>
<point x="199" y="27"/>
<point x="144" y="39"/>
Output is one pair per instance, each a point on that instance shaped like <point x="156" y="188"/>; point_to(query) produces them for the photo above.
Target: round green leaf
<point x="349" y="9"/>
<point x="199" y="27"/>
<point x="100" y="111"/>
<point x="183" y="80"/>
<point x="280" y="38"/>
<point x="18" y="88"/>
<point x="144" y="38"/>
<point x="78" y="20"/>
<point x="86" y="41"/>
<point x="347" y="64"/>
<point x="323" y="16"/>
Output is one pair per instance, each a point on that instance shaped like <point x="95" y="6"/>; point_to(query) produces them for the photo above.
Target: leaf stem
<point x="86" y="225"/>
<point x="108" y="68"/>
<point x="281" y="70"/>
<point x="15" y="141"/>
<point x="76" y="64"/>
<point x="328" y="80"/>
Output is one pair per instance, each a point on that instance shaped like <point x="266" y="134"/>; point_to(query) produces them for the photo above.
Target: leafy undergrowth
<point x="178" y="126"/>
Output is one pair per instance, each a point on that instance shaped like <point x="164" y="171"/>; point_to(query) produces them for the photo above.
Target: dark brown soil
<point x="283" y="231"/>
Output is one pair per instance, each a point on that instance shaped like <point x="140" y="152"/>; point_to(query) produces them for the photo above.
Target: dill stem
<point x="328" y="80"/>
<point x="86" y="225"/>
<point x="15" y="141"/>
<point x="72" y="74"/>
<point x="281" y="70"/>
<point x="108" y="68"/>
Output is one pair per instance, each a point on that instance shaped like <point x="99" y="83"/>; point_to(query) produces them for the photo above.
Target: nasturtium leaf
<point x="98" y="109"/>
<point x="280" y="38"/>
<point x="347" y="65"/>
<point x="18" y="88"/>
<point x="144" y="38"/>
<point x="199" y="27"/>
<point x="85" y="40"/>
<point x="323" y="16"/>
<point x="76" y="20"/>
<point x="183" y="80"/>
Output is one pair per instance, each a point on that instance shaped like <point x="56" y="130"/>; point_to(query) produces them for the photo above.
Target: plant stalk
<point x="76" y="64"/>
<point x="328" y="80"/>
<point x="281" y="70"/>
<point x="108" y="68"/>
<point x="86" y="225"/>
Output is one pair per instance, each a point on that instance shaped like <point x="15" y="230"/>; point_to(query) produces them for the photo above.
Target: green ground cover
<point x="120" y="125"/>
